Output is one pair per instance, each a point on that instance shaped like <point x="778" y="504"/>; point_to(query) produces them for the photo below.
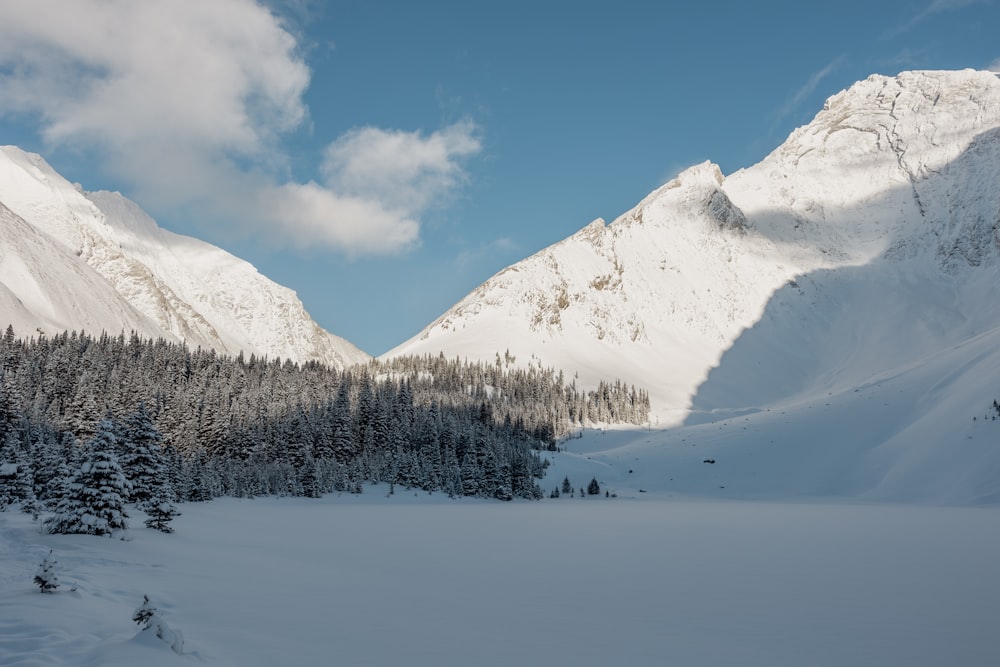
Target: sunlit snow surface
<point x="419" y="580"/>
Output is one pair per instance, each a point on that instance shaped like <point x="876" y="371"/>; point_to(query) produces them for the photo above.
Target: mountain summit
<point x="863" y="244"/>
<point x="73" y="260"/>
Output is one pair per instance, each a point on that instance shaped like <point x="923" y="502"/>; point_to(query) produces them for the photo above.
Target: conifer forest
<point x="91" y="424"/>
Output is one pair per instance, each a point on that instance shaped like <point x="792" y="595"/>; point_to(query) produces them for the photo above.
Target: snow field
<point x="419" y="580"/>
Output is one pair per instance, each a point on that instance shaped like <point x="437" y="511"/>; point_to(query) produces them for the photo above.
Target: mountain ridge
<point x="893" y="169"/>
<point x="145" y="278"/>
<point x="823" y="324"/>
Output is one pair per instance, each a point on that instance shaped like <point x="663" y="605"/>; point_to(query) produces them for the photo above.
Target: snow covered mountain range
<point x="825" y="322"/>
<point x="74" y="260"/>
<point x="890" y="196"/>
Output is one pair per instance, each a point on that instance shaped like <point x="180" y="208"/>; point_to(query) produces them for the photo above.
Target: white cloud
<point x="187" y="100"/>
<point x="994" y="66"/>
<point x="404" y="169"/>
<point x="120" y="73"/>
<point x="935" y="7"/>
<point x="355" y="224"/>
<point x="809" y="87"/>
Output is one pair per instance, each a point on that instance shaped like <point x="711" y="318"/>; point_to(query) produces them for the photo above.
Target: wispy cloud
<point x="905" y="58"/>
<point x="935" y="7"/>
<point x="994" y="66"/>
<point x="809" y="87"/>
<point x="500" y="247"/>
<point x="188" y="101"/>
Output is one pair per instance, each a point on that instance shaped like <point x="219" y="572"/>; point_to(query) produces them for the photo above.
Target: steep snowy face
<point x="249" y="311"/>
<point x="653" y="298"/>
<point x="894" y="167"/>
<point x="45" y="286"/>
<point x="138" y="276"/>
<point x="891" y="170"/>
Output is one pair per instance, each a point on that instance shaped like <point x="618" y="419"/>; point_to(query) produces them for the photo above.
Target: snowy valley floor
<point x="418" y="580"/>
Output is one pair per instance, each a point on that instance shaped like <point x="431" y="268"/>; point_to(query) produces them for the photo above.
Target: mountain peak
<point x="892" y="167"/>
<point x="694" y="197"/>
<point x="893" y="171"/>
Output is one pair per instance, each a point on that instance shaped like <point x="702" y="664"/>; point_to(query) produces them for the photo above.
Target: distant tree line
<point x="186" y="425"/>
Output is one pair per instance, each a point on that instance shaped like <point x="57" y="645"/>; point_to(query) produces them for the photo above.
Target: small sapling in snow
<point x="46" y="578"/>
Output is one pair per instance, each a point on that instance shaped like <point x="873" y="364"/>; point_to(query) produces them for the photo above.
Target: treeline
<point x="246" y="427"/>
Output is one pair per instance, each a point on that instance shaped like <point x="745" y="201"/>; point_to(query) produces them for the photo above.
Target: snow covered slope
<point x="43" y="285"/>
<point x="654" y="298"/>
<point x="428" y="582"/>
<point x="96" y="261"/>
<point x="895" y="182"/>
<point x="824" y="323"/>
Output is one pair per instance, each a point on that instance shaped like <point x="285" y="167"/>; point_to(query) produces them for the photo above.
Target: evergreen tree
<point x="593" y="488"/>
<point x="197" y="480"/>
<point x="9" y="406"/>
<point x="344" y="440"/>
<point x="367" y="413"/>
<point x="94" y="502"/>
<point x="143" y="461"/>
<point x="160" y="512"/>
<point x="57" y="486"/>
<point x="224" y="422"/>
<point x="24" y="487"/>
<point x="144" y="612"/>
<point x="8" y="350"/>
<point x="309" y="479"/>
<point x="47" y="462"/>
<point x="46" y="578"/>
<point x="471" y="475"/>
<point x="82" y="409"/>
<point x="295" y="437"/>
<point x="16" y="477"/>
<point x="8" y="484"/>
<point x="149" y="619"/>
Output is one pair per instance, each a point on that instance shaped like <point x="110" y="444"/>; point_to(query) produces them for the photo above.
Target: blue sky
<point x="384" y="158"/>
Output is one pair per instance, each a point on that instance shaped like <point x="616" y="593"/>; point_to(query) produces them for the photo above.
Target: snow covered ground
<point x="419" y="580"/>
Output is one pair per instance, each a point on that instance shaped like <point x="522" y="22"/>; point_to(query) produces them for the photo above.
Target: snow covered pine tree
<point x="94" y="503"/>
<point x="160" y="512"/>
<point x="46" y="578"/>
<point x="147" y="617"/>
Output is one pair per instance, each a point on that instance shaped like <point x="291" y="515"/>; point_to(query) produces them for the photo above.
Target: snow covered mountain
<point x="72" y="260"/>
<point x="897" y="174"/>
<point x="855" y="266"/>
